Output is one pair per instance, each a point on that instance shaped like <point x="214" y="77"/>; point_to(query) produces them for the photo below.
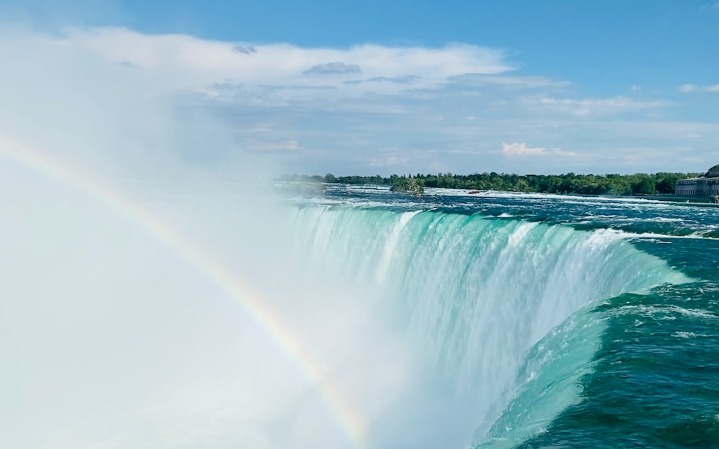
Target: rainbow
<point x="352" y="424"/>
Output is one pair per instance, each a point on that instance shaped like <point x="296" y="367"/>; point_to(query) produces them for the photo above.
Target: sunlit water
<point x="559" y="321"/>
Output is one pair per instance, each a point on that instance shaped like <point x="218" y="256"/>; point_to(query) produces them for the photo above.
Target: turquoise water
<point x="551" y="321"/>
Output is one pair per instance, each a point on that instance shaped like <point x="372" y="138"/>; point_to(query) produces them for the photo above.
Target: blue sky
<point x="464" y="86"/>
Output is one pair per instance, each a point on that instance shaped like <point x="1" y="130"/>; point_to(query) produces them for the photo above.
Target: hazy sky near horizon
<point x="425" y="86"/>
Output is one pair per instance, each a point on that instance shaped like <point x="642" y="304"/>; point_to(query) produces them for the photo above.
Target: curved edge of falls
<point x="500" y="309"/>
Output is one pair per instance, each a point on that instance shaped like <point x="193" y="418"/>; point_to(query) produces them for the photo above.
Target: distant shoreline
<point x="640" y="184"/>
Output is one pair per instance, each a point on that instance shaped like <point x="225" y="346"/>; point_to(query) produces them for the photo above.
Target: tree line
<point x="610" y="184"/>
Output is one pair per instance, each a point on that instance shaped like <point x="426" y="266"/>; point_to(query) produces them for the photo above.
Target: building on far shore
<point x="706" y="185"/>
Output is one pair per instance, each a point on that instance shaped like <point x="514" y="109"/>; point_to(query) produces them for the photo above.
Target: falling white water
<point x="472" y="296"/>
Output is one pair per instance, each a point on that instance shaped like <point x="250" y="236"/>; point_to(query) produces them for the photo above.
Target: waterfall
<point x="490" y="303"/>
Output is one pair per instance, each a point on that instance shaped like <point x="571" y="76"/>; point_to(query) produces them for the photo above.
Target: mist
<point x="115" y="335"/>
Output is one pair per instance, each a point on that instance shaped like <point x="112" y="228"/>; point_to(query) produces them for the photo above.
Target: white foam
<point x="689" y="335"/>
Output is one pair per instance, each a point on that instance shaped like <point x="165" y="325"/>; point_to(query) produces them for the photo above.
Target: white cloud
<point x="595" y="106"/>
<point x="530" y="82"/>
<point x="689" y="88"/>
<point x="191" y="63"/>
<point x="461" y="100"/>
<point x="521" y="149"/>
<point x="247" y="50"/>
<point x="337" y="67"/>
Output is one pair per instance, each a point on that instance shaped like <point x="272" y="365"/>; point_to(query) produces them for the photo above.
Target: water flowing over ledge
<point x="499" y="309"/>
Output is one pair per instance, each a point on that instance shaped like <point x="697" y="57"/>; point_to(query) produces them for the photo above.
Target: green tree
<point x="409" y="185"/>
<point x="646" y="186"/>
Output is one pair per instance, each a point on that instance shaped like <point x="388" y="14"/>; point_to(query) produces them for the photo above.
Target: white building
<point x="706" y="185"/>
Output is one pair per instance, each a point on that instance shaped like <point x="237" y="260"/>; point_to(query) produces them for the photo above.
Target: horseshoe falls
<point x="356" y="318"/>
<point x="539" y="321"/>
